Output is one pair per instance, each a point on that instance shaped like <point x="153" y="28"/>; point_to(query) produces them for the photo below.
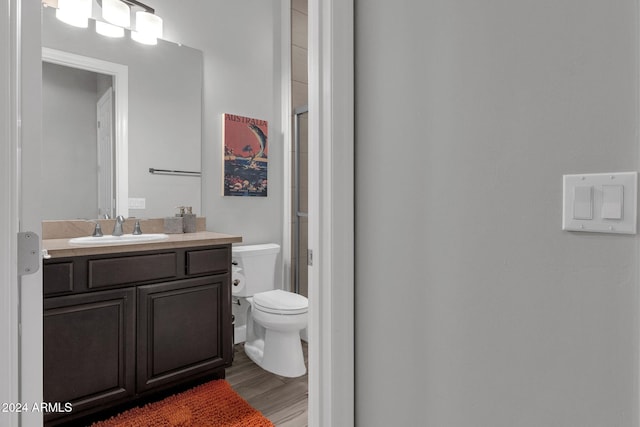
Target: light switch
<point x="600" y="202"/>
<point x="612" y="200"/>
<point x="583" y="202"/>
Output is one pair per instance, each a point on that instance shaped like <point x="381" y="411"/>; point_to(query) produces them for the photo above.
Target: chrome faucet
<point x="117" y="228"/>
<point x="97" y="231"/>
<point x="136" y="228"/>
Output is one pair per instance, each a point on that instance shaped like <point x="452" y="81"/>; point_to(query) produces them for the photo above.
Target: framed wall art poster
<point x="246" y="156"/>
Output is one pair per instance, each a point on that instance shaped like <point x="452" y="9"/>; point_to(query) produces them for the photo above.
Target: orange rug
<point x="212" y="404"/>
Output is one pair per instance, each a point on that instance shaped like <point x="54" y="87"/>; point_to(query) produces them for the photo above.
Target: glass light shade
<point x="74" y="12"/>
<point x="143" y="38"/>
<point x="109" y="30"/>
<point x="72" y="19"/>
<point x="148" y="24"/>
<point x="116" y="12"/>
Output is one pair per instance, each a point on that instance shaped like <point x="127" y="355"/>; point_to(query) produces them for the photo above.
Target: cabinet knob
<point x="236" y="282"/>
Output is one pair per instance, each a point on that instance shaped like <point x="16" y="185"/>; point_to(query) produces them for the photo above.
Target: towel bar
<point x="173" y="172"/>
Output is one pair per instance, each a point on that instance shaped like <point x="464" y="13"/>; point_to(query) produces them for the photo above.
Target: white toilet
<point x="275" y="317"/>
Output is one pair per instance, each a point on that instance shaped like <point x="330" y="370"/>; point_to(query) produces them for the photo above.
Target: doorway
<point x="331" y="379"/>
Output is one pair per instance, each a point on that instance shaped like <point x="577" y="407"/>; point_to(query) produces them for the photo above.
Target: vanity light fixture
<point x="117" y="14"/>
<point x="74" y="12"/>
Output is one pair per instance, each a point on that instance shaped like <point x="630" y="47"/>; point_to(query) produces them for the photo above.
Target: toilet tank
<point x="258" y="267"/>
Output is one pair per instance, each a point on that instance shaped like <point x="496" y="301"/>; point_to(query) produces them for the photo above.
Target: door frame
<point x="26" y="143"/>
<point x="285" y="113"/>
<point x="331" y="213"/>
<point x="105" y="174"/>
<point x="9" y="365"/>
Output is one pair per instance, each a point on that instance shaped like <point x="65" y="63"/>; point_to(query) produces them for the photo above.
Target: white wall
<point x="240" y="41"/>
<point x="473" y="308"/>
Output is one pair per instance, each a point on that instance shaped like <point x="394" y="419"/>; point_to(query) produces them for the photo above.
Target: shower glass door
<point x="300" y="199"/>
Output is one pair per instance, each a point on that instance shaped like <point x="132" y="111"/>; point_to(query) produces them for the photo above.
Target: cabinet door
<point x="89" y="349"/>
<point x="184" y="330"/>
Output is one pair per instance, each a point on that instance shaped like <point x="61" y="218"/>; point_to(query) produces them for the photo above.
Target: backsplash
<point x="67" y="229"/>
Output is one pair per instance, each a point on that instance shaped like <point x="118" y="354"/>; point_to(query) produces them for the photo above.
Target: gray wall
<point x="241" y="45"/>
<point x="473" y="308"/>
<point x="70" y="176"/>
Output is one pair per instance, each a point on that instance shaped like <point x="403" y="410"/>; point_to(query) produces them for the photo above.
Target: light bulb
<point x="149" y="24"/>
<point x="74" y="12"/>
<point x="116" y="12"/>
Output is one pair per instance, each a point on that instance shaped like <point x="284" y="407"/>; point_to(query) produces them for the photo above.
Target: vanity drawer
<point x="203" y="261"/>
<point x="131" y="269"/>
<point x="57" y="278"/>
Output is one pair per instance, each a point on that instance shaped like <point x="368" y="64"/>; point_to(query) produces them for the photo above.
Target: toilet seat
<point x="281" y="302"/>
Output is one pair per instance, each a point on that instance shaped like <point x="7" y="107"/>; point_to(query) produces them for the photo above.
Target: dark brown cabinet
<point x="178" y="332"/>
<point x="89" y="348"/>
<point x="123" y="326"/>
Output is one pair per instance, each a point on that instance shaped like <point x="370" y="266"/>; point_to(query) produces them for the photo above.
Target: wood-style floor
<point x="283" y="400"/>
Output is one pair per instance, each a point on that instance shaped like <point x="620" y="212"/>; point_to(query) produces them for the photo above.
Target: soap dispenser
<point x="189" y="220"/>
<point x="174" y="224"/>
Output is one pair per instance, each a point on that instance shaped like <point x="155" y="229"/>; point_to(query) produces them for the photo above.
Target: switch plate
<point x="137" y="203"/>
<point x="612" y="203"/>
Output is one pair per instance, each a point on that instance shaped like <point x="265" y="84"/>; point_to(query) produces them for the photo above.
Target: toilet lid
<point x="281" y="302"/>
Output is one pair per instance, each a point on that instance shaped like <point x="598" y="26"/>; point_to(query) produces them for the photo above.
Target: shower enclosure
<point x="300" y="199"/>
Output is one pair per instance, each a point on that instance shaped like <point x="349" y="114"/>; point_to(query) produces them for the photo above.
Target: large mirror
<point x="113" y="110"/>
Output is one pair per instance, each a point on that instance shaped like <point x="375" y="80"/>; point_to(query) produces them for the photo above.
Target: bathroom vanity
<point x="122" y="322"/>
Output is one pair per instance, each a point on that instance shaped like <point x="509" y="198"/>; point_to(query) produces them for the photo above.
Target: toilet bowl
<point x="275" y="317"/>
<point x="273" y="336"/>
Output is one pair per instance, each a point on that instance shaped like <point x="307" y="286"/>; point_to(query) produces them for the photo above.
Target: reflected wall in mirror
<point x="71" y="135"/>
<point x="92" y="125"/>
<point x="163" y="128"/>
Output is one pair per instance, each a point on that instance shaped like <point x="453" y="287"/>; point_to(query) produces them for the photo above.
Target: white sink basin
<point x="117" y="240"/>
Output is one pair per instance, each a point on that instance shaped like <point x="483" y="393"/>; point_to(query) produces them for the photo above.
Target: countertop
<point x="58" y="248"/>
